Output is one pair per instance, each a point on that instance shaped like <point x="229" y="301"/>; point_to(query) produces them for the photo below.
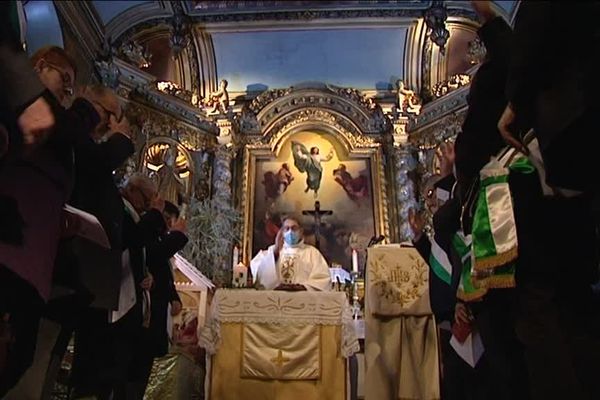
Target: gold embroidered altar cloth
<point x="278" y="345"/>
<point x="401" y="347"/>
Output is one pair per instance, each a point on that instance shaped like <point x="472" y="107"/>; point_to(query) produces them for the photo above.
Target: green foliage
<point x="212" y="229"/>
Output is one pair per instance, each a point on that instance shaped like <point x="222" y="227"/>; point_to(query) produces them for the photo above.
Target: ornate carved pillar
<point x="405" y="162"/>
<point x="222" y="196"/>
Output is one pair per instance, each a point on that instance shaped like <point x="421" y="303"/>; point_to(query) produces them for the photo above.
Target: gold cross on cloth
<point x="280" y="359"/>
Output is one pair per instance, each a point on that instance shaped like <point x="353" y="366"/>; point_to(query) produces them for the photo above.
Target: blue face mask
<point x="291" y="238"/>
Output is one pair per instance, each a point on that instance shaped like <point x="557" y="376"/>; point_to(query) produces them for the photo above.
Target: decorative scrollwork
<point x="345" y="128"/>
<point x="173" y="89"/>
<point x="268" y="107"/>
<point x="454" y="82"/>
<point x="135" y="53"/>
<point x="267" y="97"/>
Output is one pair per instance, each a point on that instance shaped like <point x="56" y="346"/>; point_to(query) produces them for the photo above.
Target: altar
<point x="278" y="345"/>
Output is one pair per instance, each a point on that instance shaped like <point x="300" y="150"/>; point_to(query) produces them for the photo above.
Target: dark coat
<point x="443" y="296"/>
<point x="553" y="88"/>
<point x="163" y="292"/>
<point x="95" y="191"/>
<point x="480" y="138"/>
<point x="39" y="183"/>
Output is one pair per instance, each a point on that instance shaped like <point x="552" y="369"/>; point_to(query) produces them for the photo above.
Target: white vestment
<point x="309" y="267"/>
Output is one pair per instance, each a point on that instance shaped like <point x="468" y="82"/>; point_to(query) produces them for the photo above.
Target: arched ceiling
<point x="361" y="58"/>
<point x="274" y="44"/>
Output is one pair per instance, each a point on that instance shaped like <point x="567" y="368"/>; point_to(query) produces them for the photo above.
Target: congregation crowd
<point x="538" y="316"/>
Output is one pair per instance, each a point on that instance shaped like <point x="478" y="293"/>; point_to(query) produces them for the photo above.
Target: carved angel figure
<point x="407" y="100"/>
<point x="219" y="100"/>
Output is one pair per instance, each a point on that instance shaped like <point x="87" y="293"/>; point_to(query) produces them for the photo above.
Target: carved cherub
<point x="407" y="100"/>
<point x="219" y="100"/>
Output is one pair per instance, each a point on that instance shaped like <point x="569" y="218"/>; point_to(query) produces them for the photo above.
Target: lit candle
<point x="240" y="273"/>
<point x="236" y="256"/>
<point x="354" y="261"/>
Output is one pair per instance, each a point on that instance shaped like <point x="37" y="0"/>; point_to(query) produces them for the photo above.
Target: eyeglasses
<point x="66" y="78"/>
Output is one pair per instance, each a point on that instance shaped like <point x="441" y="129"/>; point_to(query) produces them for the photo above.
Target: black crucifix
<point x="317" y="213"/>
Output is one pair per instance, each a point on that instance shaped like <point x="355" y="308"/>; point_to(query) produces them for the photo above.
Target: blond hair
<point x="106" y="98"/>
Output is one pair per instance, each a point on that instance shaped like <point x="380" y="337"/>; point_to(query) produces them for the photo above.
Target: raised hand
<point x="278" y="243"/>
<point x="505" y="125"/>
<point x="179" y="225"/>
<point x="158" y="203"/>
<point x="417" y="224"/>
<point x="119" y="126"/>
<point x="448" y="157"/>
<point x="36" y="121"/>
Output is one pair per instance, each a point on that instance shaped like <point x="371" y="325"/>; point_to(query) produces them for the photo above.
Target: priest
<point x="290" y="264"/>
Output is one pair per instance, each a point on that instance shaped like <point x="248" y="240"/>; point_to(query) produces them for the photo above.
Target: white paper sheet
<point x="471" y="350"/>
<point x="88" y="226"/>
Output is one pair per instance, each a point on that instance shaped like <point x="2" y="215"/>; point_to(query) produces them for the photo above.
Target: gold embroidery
<point x="280" y="359"/>
<point x="397" y="284"/>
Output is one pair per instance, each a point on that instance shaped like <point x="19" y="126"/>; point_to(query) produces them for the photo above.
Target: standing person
<point x="155" y="339"/>
<point x="289" y="263"/>
<point x="65" y="308"/>
<point x="104" y="353"/>
<point x="478" y="139"/>
<point x="28" y="175"/>
<point x="556" y="97"/>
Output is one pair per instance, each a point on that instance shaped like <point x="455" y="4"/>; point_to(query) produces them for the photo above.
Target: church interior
<point x="361" y="200"/>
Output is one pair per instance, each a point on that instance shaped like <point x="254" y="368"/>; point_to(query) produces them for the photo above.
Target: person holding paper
<point x="29" y="174"/>
<point x="290" y="264"/>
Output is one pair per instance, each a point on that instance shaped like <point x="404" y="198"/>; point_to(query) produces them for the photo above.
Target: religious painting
<point x="168" y="164"/>
<point x="313" y="177"/>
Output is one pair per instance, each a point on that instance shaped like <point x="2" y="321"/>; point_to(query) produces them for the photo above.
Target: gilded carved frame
<point x="355" y="144"/>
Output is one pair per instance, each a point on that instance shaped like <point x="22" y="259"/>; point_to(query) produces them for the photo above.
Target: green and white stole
<point x="489" y="253"/>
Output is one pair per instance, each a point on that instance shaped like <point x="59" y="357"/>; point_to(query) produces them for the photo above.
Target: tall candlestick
<point x="354" y="261"/>
<point x="236" y="256"/>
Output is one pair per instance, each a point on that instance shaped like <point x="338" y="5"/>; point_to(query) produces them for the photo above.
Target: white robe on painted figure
<point x="310" y="268"/>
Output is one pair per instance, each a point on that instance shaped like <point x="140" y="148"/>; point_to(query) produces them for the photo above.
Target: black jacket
<point x="84" y="265"/>
<point x="479" y="138"/>
<point x="158" y="255"/>
<point x="443" y="296"/>
<point x="553" y="88"/>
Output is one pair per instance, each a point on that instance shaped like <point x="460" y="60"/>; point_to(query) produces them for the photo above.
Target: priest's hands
<point x="290" y="287"/>
<point x="278" y="244"/>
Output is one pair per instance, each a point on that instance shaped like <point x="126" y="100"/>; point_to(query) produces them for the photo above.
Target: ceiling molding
<point x="413" y="56"/>
<point x="138" y="15"/>
<point x="315" y="24"/>
<point x="84" y="22"/>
